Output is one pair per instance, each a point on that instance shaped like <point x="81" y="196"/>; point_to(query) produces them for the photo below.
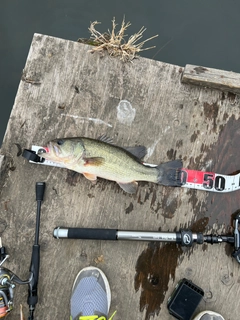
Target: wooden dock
<point x="67" y="91"/>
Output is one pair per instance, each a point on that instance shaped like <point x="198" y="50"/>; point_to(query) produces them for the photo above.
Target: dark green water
<point x="197" y="32"/>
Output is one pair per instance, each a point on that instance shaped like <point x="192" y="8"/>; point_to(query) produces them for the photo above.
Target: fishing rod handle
<point x="40" y="188"/>
<point x="183" y="237"/>
<point x="85" y="233"/>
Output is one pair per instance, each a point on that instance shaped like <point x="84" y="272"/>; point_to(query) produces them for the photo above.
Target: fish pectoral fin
<point x="130" y="187"/>
<point x="90" y="176"/>
<point x="96" y="161"/>
<point x="137" y="151"/>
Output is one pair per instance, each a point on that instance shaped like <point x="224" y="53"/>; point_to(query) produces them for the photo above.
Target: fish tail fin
<point x="169" y="173"/>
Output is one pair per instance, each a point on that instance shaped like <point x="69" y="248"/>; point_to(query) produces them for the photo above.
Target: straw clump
<point x="114" y="42"/>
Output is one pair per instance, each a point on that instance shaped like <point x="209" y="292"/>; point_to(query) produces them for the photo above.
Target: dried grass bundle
<point x="115" y="43"/>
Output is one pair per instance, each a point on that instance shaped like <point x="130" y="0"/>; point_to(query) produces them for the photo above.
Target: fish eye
<point x="60" y="142"/>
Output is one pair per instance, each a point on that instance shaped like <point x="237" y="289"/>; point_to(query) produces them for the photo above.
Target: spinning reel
<point x="8" y="280"/>
<point x="6" y="287"/>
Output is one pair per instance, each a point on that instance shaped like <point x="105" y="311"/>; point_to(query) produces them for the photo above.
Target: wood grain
<point x="211" y="78"/>
<point x="67" y="91"/>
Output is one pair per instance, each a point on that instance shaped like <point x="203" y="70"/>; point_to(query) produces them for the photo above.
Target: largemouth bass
<point x="99" y="158"/>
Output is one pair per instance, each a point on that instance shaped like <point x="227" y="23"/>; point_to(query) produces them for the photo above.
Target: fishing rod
<point x="192" y="179"/>
<point x="8" y="279"/>
<point x="35" y="261"/>
<point x="183" y="237"/>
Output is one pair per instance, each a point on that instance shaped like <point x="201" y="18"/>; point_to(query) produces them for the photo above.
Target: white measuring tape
<point x="209" y="181"/>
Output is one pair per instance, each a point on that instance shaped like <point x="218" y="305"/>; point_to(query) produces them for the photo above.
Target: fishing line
<point x="170" y="40"/>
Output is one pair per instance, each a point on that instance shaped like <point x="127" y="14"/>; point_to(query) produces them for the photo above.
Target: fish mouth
<point x="50" y="151"/>
<point x="53" y="151"/>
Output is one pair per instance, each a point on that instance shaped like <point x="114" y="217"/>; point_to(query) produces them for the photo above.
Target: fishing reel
<point x="6" y="290"/>
<point x="236" y="252"/>
<point x="8" y="281"/>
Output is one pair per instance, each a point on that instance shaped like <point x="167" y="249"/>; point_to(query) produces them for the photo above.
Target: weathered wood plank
<point x="211" y="78"/>
<point x="4" y="167"/>
<point x="66" y="91"/>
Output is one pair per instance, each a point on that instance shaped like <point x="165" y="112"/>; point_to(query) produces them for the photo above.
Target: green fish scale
<point x="119" y="164"/>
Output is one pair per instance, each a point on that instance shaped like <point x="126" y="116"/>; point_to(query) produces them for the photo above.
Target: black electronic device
<point x="184" y="300"/>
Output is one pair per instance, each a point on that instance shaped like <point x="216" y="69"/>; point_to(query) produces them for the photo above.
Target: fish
<point x="101" y="158"/>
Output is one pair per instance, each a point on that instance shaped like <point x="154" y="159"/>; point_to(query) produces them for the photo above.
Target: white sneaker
<point x="91" y="295"/>
<point x="208" y="315"/>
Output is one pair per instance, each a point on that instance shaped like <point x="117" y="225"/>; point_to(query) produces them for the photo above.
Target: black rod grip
<point x="40" y="188"/>
<point x="91" y="233"/>
<point x="88" y="233"/>
<point x="34" y="270"/>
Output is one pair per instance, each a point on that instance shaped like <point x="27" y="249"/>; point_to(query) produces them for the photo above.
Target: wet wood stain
<point x="225" y="157"/>
<point x="154" y="268"/>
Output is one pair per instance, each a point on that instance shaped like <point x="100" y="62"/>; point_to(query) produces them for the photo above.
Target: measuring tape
<point x="209" y="181"/>
<point x="192" y="179"/>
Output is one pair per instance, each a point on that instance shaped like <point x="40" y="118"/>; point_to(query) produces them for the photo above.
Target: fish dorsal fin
<point x="130" y="187"/>
<point x="137" y="151"/>
<point x="94" y="161"/>
<point x="105" y="138"/>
